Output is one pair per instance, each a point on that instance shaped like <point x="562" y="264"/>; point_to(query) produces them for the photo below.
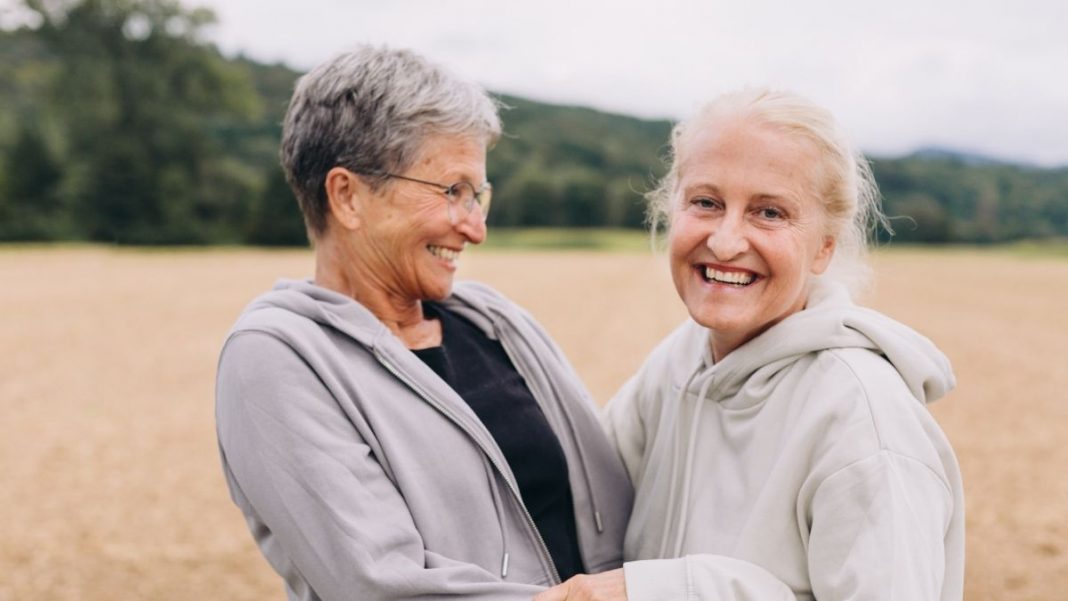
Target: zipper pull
<point x="504" y="566"/>
<point x="597" y="521"/>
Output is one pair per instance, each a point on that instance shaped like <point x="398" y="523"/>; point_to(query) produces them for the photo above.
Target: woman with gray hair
<point x="386" y="433"/>
<point x="778" y="440"/>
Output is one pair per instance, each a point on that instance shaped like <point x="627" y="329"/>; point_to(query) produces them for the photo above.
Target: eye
<point x="771" y="213"/>
<point x="461" y="192"/>
<point x="704" y="202"/>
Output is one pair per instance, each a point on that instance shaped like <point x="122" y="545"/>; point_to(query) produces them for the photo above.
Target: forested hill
<point x="145" y="135"/>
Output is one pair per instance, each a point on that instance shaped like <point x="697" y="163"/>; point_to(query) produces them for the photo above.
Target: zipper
<point x="510" y="351"/>
<point x="542" y="547"/>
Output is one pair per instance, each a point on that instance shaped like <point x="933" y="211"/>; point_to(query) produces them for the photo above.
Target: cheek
<point x="684" y="236"/>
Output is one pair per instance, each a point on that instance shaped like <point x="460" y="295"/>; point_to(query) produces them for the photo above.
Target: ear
<point x="823" y="255"/>
<point x="345" y="193"/>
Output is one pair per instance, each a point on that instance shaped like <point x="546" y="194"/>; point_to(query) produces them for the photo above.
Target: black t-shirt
<point x="479" y="370"/>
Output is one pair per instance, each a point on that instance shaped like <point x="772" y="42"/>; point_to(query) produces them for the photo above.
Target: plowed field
<point x="110" y="487"/>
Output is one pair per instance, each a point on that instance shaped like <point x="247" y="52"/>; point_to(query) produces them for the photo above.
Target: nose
<point x="728" y="239"/>
<point x="472" y="226"/>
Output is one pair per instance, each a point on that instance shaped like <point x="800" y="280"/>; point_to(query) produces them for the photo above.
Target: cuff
<point x="657" y="580"/>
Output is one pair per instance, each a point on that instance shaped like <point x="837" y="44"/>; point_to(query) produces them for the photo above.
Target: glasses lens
<point x="485" y="195"/>
<point x="463" y="197"/>
<point x="462" y="194"/>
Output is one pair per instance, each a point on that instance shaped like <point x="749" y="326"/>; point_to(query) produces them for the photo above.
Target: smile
<point x="441" y="252"/>
<point x="733" y="278"/>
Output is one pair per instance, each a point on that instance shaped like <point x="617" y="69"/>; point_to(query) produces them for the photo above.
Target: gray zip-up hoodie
<point x="362" y="475"/>
<point x="803" y="465"/>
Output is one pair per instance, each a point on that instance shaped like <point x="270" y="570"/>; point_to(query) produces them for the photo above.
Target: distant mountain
<point x="555" y="166"/>
<point x="964" y="157"/>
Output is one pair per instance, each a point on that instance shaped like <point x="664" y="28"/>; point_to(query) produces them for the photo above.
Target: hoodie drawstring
<point x="675" y="466"/>
<point x="687" y="476"/>
<point x="592" y="490"/>
<point x="499" y="510"/>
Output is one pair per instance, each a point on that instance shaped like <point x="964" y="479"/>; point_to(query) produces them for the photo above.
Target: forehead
<point x="451" y="153"/>
<point x="732" y="150"/>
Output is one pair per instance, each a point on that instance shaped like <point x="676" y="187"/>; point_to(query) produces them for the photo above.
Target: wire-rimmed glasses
<point x="462" y="197"/>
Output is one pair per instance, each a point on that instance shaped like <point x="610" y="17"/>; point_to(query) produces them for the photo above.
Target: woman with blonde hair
<point x="779" y="440"/>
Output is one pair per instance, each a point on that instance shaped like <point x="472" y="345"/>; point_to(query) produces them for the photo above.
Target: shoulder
<point x="266" y="339"/>
<point x="266" y="318"/>
<point x="860" y="367"/>
<point x="257" y="355"/>
<point x="852" y="381"/>
<point x="277" y="342"/>
<point x="862" y="406"/>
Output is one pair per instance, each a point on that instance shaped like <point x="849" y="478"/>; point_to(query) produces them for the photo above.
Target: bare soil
<point x="110" y="487"/>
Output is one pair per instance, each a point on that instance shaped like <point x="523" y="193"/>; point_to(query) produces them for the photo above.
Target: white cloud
<point x="984" y="76"/>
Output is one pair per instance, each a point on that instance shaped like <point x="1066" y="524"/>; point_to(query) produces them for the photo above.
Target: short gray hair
<point x="846" y="187"/>
<point x="370" y="110"/>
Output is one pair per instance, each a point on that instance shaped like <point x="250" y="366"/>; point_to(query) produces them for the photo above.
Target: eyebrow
<point x="771" y="197"/>
<point x="696" y="187"/>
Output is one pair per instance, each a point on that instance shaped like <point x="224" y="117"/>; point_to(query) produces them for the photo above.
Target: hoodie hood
<point x="341" y="312"/>
<point x="830" y="321"/>
<point x="323" y="306"/>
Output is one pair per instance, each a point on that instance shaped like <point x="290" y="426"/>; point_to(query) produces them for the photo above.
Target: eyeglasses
<point x="462" y="196"/>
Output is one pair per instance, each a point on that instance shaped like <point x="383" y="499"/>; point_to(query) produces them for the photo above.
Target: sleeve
<point x="878" y="528"/>
<point x="878" y="531"/>
<point x="321" y="507"/>
<point x="702" y="578"/>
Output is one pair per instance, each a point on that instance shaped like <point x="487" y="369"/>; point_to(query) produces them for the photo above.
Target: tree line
<point x="121" y="124"/>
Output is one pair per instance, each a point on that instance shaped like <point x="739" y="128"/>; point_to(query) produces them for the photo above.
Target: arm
<point x="321" y="506"/>
<point x="694" y="577"/>
<point x="704" y="577"/>
<point x="877" y="533"/>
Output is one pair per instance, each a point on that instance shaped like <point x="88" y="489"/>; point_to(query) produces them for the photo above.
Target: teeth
<point x="728" y="277"/>
<point x="444" y="253"/>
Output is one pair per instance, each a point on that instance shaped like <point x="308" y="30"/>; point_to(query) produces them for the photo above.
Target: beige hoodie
<point x="804" y="465"/>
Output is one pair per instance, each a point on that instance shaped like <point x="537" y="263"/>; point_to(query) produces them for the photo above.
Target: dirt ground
<point x="110" y="487"/>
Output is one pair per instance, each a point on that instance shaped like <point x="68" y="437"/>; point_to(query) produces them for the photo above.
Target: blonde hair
<point x="846" y="187"/>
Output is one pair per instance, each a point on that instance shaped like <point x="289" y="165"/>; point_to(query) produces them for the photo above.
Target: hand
<point x="606" y="586"/>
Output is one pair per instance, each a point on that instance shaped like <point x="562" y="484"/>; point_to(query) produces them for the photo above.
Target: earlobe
<point x="344" y="193"/>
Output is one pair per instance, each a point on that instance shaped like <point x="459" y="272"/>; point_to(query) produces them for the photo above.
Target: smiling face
<point x="406" y="247"/>
<point x="747" y="231"/>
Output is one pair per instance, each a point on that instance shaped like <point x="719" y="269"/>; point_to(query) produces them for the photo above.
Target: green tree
<point x="584" y="199"/>
<point x="920" y="218"/>
<point x="277" y="220"/>
<point x="139" y="92"/>
<point x="29" y="199"/>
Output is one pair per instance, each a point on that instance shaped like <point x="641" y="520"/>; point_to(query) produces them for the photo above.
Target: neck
<point x="722" y="346"/>
<point x="339" y="270"/>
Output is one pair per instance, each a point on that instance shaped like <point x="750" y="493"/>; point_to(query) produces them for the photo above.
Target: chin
<point x="717" y="321"/>
<point x="437" y="293"/>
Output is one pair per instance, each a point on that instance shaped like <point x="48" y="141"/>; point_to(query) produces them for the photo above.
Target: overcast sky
<point x="987" y="76"/>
